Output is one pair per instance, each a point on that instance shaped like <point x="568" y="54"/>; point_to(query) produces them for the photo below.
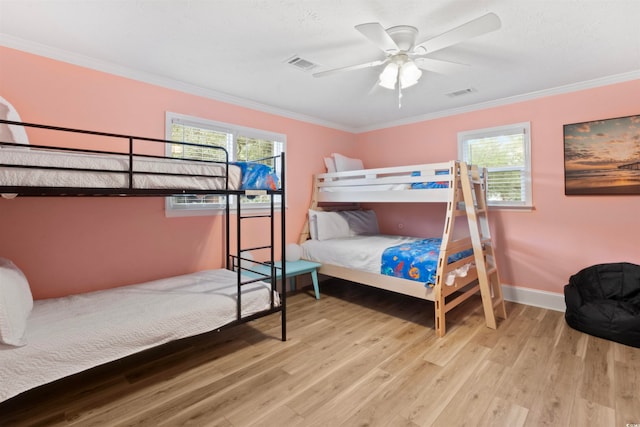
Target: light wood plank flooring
<point x="357" y="357"/>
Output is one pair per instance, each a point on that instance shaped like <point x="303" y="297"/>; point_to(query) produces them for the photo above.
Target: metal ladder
<point x="475" y="201"/>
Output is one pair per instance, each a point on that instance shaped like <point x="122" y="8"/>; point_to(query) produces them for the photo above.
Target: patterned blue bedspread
<point x="257" y="176"/>
<point x="430" y="184"/>
<point x="416" y="260"/>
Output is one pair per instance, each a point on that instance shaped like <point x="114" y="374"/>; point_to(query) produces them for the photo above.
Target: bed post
<point x="283" y="244"/>
<point x="304" y="234"/>
<point x="440" y="322"/>
<point x="447" y="236"/>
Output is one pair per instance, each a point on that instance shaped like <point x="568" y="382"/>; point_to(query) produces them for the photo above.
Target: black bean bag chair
<point x="604" y="300"/>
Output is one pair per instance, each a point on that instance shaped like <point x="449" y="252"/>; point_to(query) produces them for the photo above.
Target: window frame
<point x="523" y="128"/>
<point x="235" y="131"/>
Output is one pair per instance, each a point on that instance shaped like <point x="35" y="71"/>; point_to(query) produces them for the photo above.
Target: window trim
<point x="525" y="129"/>
<point x="235" y="130"/>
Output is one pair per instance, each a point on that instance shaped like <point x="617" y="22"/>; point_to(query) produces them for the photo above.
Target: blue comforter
<point x="416" y="260"/>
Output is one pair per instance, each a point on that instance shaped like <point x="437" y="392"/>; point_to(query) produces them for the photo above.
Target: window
<point x="506" y="153"/>
<point x="241" y="143"/>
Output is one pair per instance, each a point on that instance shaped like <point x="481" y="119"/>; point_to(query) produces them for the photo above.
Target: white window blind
<point x="505" y="152"/>
<point x="241" y="143"/>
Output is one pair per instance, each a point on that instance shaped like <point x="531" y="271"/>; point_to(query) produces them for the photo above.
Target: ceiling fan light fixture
<point x="409" y="74"/>
<point x="389" y="76"/>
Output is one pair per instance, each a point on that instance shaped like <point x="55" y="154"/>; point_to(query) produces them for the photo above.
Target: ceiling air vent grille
<point x="461" y="92"/>
<point x="301" y="64"/>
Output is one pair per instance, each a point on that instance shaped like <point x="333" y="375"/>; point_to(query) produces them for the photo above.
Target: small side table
<point x="294" y="268"/>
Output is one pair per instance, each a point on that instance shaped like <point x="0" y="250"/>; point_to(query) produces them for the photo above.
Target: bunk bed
<point x="44" y="340"/>
<point x="447" y="269"/>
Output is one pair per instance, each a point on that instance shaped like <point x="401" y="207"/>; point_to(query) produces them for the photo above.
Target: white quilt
<point x="71" y="334"/>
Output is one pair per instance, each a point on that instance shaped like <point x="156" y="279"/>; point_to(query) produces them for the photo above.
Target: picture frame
<point x="602" y="157"/>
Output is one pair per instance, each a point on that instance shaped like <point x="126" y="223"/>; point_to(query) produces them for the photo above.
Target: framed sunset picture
<point x="602" y="156"/>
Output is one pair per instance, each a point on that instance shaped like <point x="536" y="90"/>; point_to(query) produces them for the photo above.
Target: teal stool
<point x="294" y="268"/>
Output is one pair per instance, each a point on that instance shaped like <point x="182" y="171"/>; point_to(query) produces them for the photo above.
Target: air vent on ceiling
<point x="461" y="92"/>
<point x="300" y="63"/>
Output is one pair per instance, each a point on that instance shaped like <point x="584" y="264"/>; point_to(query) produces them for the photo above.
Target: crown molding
<point x="574" y="87"/>
<point x="154" y="79"/>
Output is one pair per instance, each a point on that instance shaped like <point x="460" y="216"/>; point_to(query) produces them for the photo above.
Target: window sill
<point x="513" y="208"/>
<point x="180" y="213"/>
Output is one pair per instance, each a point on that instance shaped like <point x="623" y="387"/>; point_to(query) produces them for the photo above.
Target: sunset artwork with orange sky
<point x="602" y="156"/>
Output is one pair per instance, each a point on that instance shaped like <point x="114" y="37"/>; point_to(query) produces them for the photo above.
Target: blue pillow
<point x="257" y="176"/>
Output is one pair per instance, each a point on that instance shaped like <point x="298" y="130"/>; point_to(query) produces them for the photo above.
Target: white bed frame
<point x="464" y="195"/>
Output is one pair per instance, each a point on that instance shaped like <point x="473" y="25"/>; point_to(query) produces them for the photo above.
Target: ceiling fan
<point x="404" y="58"/>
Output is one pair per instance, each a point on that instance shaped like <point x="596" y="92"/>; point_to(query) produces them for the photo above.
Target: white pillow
<point x="344" y="163"/>
<point x="361" y="222"/>
<point x="293" y="252"/>
<point x="16" y="303"/>
<point x="331" y="225"/>
<point x="11" y="133"/>
<point x="330" y="164"/>
<point x="313" y="224"/>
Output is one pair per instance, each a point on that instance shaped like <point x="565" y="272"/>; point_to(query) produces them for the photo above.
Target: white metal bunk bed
<point x="63" y="336"/>
<point x="465" y="264"/>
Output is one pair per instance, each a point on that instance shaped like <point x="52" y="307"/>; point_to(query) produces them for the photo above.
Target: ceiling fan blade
<point x="439" y="66"/>
<point x="350" y="68"/>
<point x="482" y="25"/>
<point x="378" y="36"/>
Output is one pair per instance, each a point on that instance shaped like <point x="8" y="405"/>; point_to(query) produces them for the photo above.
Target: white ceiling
<point x="236" y="50"/>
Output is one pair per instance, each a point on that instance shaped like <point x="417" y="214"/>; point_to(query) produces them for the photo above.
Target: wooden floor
<point x="359" y="356"/>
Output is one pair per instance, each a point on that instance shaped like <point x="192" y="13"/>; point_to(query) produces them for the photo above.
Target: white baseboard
<point x="534" y="297"/>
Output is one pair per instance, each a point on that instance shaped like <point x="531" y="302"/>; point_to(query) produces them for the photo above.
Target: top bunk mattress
<point x="71" y="334"/>
<point x="111" y="171"/>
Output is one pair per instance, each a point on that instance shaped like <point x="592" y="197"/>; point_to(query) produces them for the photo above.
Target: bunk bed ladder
<point x="475" y="201"/>
<point x="234" y="262"/>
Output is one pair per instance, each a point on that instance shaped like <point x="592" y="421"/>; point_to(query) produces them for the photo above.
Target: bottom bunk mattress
<point x="71" y="334"/>
<point x="411" y="258"/>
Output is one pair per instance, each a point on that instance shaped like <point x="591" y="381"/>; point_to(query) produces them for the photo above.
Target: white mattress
<point x="362" y="252"/>
<point x="10" y="176"/>
<point x="71" y="334"/>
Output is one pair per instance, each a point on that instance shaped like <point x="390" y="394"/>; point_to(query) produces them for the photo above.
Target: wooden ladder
<point x="475" y="201"/>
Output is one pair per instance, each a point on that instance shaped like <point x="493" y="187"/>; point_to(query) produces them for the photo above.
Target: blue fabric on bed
<point x="431" y="184"/>
<point x="257" y="176"/>
<point x="416" y="260"/>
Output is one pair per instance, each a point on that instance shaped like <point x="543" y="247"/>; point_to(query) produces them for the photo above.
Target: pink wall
<point x="73" y="245"/>
<point x="539" y="249"/>
<point x="68" y="245"/>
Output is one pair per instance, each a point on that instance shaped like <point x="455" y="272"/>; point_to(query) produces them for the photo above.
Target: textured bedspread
<point x="71" y="334"/>
<point x="86" y="175"/>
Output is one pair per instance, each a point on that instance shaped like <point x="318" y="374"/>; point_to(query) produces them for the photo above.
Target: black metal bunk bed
<point x="134" y="172"/>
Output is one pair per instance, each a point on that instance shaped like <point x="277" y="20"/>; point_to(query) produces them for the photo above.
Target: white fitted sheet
<point x="10" y="176"/>
<point x="71" y="334"/>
